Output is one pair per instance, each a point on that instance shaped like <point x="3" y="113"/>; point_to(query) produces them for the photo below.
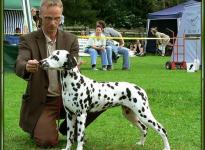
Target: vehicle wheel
<point x="168" y="65"/>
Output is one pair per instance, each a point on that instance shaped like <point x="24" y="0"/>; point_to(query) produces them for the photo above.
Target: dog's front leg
<point x="81" y="119"/>
<point x="71" y="120"/>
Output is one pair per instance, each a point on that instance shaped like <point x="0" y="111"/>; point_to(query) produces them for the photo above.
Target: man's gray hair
<point x="49" y="3"/>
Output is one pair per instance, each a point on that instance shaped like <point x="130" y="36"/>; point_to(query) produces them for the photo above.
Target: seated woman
<point x="96" y="46"/>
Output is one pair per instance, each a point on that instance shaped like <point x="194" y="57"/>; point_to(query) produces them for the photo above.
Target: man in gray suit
<point x="41" y="103"/>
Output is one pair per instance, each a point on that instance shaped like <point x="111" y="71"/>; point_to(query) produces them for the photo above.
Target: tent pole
<point x="27" y="14"/>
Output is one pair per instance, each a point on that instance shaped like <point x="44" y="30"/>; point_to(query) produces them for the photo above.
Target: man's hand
<point x="32" y="66"/>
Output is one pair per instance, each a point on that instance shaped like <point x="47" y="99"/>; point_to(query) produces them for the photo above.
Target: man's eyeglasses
<point x="49" y="19"/>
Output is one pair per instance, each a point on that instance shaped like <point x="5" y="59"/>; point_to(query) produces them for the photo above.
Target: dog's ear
<point x="71" y="62"/>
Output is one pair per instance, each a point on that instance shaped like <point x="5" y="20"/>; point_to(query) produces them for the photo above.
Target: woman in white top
<point x="96" y="46"/>
<point x="162" y="41"/>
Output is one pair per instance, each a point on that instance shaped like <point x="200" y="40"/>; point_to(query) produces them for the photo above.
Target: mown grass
<point x="174" y="97"/>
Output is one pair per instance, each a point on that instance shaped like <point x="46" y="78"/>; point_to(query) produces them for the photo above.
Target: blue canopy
<point x="172" y="12"/>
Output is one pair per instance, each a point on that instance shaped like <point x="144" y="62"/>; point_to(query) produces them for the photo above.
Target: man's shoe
<point x="109" y="67"/>
<point x="124" y="68"/>
<point x="63" y="128"/>
<point x="115" y="57"/>
<point x="104" y="68"/>
<point x="94" y="68"/>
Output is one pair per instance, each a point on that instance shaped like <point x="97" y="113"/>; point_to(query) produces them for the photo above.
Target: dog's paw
<point x="140" y="143"/>
<point x="166" y="149"/>
<point x="65" y="149"/>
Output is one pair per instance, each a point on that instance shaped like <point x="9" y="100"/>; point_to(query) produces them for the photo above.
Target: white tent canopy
<point x="167" y="21"/>
<point x="190" y="27"/>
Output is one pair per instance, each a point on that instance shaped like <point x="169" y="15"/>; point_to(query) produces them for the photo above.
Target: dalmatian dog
<point x="82" y="95"/>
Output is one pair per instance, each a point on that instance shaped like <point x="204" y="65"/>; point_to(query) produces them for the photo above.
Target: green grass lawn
<point x="174" y="97"/>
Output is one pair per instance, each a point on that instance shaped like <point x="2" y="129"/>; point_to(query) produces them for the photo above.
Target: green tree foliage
<point x="117" y="13"/>
<point x="78" y="12"/>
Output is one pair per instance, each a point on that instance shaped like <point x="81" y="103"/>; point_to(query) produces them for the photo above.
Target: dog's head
<point x="59" y="59"/>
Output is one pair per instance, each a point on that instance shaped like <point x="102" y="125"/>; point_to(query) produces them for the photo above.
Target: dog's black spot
<point x="137" y="87"/>
<point x="71" y="74"/>
<point x="55" y="57"/>
<point x="122" y="97"/>
<point x="99" y="94"/>
<point x="77" y="104"/>
<point x="81" y="139"/>
<point x="164" y="131"/>
<point x="82" y="105"/>
<point x="105" y="96"/>
<point x="58" y="52"/>
<point x="78" y="85"/>
<point x="110" y="86"/>
<point x="85" y="100"/>
<point x="75" y="98"/>
<point x="150" y="121"/>
<point x="142" y="95"/>
<point x="65" y="74"/>
<point x="75" y="76"/>
<point x="64" y="84"/>
<point x="92" y="106"/>
<point x="143" y="109"/>
<point x="75" y="89"/>
<point x="108" y="104"/>
<point x="128" y="93"/>
<point x="69" y="113"/>
<point x="82" y="80"/>
<point x="81" y="94"/>
<point x="142" y="125"/>
<point x="139" y="111"/>
<point x="72" y="84"/>
<point x="134" y="100"/>
<point x="158" y="126"/>
<point x="71" y="134"/>
<point x="116" y="83"/>
<point x="87" y="91"/>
